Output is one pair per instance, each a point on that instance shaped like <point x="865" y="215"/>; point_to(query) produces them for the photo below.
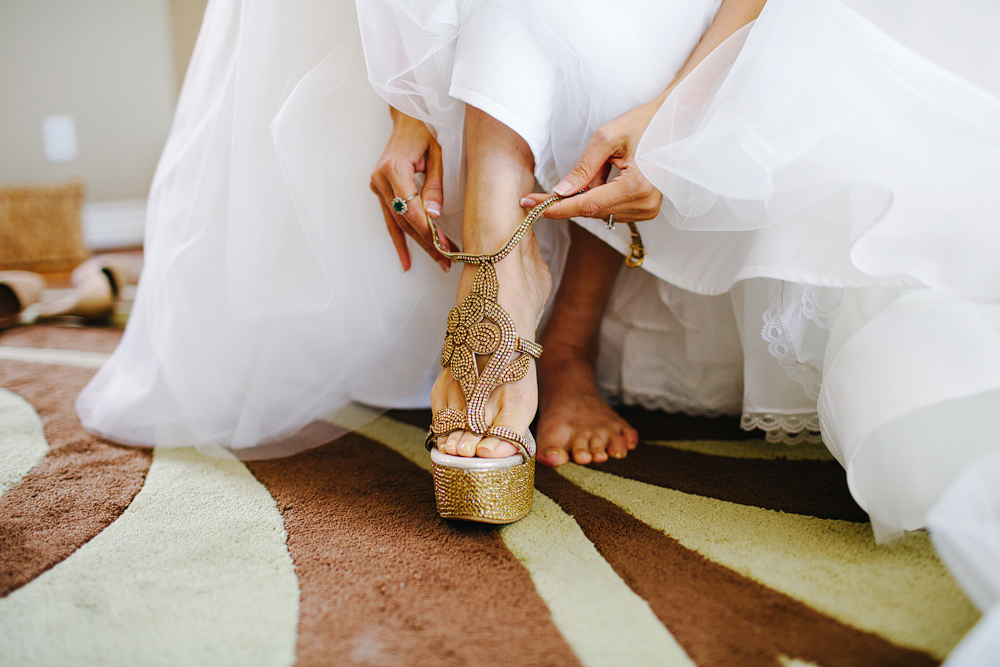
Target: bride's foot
<point x="574" y="419"/>
<point x="525" y="284"/>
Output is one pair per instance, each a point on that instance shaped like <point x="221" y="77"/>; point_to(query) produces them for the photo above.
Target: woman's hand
<point x="411" y="149"/>
<point x="629" y="196"/>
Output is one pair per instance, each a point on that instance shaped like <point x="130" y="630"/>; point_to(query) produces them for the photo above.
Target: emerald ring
<point x="399" y="205"/>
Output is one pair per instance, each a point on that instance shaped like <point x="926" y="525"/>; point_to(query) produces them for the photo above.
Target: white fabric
<point x="857" y="178"/>
<point x="828" y="253"/>
<point x="965" y="526"/>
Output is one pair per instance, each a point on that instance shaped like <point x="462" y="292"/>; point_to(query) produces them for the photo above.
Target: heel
<point x="485" y="490"/>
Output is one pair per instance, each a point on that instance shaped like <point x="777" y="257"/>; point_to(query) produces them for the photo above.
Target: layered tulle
<point x="855" y="173"/>
<point x="271" y="293"/>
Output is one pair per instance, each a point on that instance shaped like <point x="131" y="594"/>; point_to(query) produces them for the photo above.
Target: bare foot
<point x="525" y="284"/>
<point x="575" y="418"/>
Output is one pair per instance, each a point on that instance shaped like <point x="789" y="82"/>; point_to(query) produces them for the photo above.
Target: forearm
<point x="732" y="15"/>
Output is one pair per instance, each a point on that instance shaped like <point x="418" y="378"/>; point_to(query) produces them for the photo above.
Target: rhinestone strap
<point x="529" y="347"/>
<point x="519" y="233"/>
<point x="480" y="326"/>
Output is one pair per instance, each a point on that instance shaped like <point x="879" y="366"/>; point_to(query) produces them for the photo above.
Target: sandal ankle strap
<point x="519" y="234"/>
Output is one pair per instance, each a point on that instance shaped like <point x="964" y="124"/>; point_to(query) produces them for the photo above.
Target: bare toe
<point x="451" y="444"/>
<point x="468" y="443"/>
<point x="554" y="456"/>
<point x="494" y="448"/>
<point x="618" y="447"/>
<point x="598" y="447"/>
<point x="581" y="449"/>
<point x="574" y="417"/>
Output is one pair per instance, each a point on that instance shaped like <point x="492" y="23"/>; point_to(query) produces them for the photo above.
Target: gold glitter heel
<point x="484" y="490"/>
<point x="473" y="488"/>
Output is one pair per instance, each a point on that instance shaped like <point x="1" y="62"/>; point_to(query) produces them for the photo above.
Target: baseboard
<point x="114" y="224"/>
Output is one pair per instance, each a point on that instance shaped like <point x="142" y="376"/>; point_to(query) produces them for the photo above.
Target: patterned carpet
<point x="702" y="547"/>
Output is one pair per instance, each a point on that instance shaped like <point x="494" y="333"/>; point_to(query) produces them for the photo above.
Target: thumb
<point x="432" y="194"/>
<point x="588" y="168"/>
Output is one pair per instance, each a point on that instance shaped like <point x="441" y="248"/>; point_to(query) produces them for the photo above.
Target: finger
<point x="597" y="203"/>
<point x="599" y="150"/>
<point x="602" y="176"/>
<point x="536" y="198"/>
<point x="432" y="194"/>
<point x="402" y="183"/>
<point x="395" y="233"/>
<point x="398" y="238"/>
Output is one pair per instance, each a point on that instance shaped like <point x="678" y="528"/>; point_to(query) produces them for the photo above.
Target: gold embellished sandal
<point x="473" y="488"/>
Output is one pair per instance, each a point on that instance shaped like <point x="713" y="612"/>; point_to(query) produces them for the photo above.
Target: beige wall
<point x="185" y="19"/>
<point x="112" y="65"/>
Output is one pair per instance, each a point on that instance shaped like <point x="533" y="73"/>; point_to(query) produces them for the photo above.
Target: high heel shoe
<point x="18" y="290"/>
<point x="97" y="287"/>
<point x="471" y="488"/>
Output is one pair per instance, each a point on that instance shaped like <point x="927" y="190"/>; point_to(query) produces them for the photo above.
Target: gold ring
<point x="399" y="205"/>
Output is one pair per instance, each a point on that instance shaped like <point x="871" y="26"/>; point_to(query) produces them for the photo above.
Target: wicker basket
<point x="40" y="228"/>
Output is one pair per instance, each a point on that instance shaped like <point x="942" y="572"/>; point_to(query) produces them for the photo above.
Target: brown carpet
<point x="737" y="552"/>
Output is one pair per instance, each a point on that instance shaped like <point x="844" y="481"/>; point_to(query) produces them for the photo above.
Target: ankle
<point x="563" y="351"/>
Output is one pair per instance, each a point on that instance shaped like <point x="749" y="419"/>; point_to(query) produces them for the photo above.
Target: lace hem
<point x="779" y="343"/>
<point x="784" y="429"/>
<point x="667" y="404"/>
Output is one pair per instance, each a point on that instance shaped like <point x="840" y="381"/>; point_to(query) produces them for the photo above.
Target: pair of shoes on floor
<point x="18" y="290"/>
<point x="485" y="490"/>
<point x="97" y="288"/>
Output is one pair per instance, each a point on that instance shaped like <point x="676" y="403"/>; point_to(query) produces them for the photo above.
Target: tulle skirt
<point x="827" y="259"/>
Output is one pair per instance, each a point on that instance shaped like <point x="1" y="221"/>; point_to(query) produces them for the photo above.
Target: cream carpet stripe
<point x="794" y="662"/>
<point x="194" y="572"/>
<point x="41" y="355"/>
<point x="601" y="618"/>
<point x="900" y="591"/>
<point x="751" y="449"/>
<point x="22" y="439"/>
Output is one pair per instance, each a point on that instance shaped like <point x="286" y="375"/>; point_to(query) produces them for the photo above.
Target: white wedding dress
<point x="827" y="259"/>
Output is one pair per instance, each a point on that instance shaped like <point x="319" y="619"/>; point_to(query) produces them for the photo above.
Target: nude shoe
<point x="18" y="290"/>
<point x="487" y="490"/>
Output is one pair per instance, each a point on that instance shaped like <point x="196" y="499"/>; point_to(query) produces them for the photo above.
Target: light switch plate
<point x="59" y="135"/>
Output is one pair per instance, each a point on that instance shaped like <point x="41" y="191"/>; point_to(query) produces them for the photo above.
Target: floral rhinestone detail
<point x="468" y="334"/>
<point x="480" y="326"/>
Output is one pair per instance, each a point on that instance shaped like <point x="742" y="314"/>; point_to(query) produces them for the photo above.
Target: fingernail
<point x="563" y="189"/>
<point x="433" y="208"/>
<point x="445" y="265"/>
<point x="527" y="203"/>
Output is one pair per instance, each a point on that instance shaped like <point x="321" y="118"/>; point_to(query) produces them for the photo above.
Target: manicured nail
<point x="527" y="203"/>
<point x="433" y="208"/>
<point x="563" y="189"/>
